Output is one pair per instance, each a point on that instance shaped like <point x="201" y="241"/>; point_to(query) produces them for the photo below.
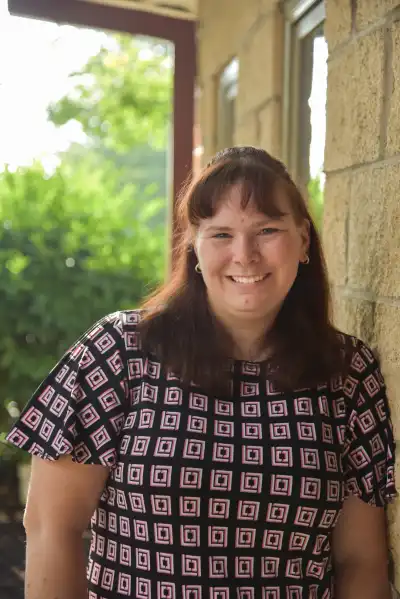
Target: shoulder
<point x="117" y="323"/>
<point x="362" y="382"/>
<point x="362" y="360"/>
<point x="113" y="332"/>
<point x="130" y="319"/>
<point x="120" y="320"/>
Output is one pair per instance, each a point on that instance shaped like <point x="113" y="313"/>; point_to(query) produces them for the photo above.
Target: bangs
<point x="258" y="184"/>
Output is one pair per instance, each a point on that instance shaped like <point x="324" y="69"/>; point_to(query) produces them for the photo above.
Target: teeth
<point x="248" y="279"/>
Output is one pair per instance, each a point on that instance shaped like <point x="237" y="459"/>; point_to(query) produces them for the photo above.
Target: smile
<point x="249" y="280"/>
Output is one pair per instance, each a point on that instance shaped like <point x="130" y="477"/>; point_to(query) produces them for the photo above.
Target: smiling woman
<point x="249" y="262"/>
<point x="244" y="217"/>
<point x="236" y="445"/>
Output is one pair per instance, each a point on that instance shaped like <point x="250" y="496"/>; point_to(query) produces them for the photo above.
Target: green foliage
<point x="71" y="250"/>
<point x="316" y="201"/>
<point x="122" y="97"/>
<point x="89" y="238"/>
<point x="143" y="167"/>
<point x="8" y="453"/>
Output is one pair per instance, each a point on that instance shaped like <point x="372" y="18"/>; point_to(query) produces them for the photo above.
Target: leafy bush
<point x="85" y="241"/>
<point x="72" y="249"/>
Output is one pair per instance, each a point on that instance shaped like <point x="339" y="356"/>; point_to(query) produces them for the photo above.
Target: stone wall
<point x="252" y="31"/>
<point x="361" y="232"/>
<point x="362" y="202"/>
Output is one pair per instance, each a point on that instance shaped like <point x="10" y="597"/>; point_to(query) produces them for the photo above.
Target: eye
<point x="269" y="231"/>
<point x="221" y="236"/>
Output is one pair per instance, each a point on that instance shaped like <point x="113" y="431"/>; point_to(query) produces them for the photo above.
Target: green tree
<point x="71" y="250"/>
<point x="89" y="238"/>
<point x="122" y="99"/>
<point x="143" y="166"/>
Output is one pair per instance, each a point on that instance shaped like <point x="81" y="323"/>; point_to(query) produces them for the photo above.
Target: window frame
<point x="227" y="89"/>
<point x="302" y="17"/>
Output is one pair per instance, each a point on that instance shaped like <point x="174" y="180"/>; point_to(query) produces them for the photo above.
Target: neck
<point x="249" y="345"/>
<point x="248" y="336"/>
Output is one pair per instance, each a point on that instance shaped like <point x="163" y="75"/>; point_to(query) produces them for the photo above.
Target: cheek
<point x="212" y="260"/>
<point x="283" y="253"/>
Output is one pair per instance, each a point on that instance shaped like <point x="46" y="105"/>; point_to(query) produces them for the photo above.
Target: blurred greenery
<point x="88" y="238"/>
<point x="122" y="97"/>
<point x="316" y="201"/>
<point x="122" y="100"/>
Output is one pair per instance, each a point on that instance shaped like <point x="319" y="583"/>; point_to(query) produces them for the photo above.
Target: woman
<point x="228" y="441"/>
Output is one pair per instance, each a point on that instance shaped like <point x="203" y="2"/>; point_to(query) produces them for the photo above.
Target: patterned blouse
<point x="211" y="497"/>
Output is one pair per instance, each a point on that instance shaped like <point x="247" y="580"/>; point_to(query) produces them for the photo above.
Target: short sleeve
<point x="369" y="447"/>
<point x="79" y="409"/>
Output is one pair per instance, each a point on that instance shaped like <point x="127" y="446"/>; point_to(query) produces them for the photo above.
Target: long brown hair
<point x="178" y="325"/>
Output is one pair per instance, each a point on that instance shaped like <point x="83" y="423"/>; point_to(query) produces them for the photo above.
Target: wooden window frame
<point x="301" y="18"/>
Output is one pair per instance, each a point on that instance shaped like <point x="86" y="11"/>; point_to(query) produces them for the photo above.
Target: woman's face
<point x="248" y="260"/>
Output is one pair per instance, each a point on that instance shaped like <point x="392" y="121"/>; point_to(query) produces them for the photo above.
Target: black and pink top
<point x="211" y="497"/>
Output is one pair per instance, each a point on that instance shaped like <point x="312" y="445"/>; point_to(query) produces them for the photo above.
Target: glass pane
<point x="317" y="103"/>
<point x="312" y="121"/>
<point x="227" y="104"/>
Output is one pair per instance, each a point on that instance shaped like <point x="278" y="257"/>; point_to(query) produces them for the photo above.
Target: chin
<point x="250" y="310"/>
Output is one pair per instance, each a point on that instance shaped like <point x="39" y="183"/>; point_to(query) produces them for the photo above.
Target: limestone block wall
<point x="361" y="232"/>
<point x="251" y="31"/>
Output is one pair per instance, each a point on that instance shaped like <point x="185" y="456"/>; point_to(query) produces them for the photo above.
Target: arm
<point x="360" y="552"/>
<point x="61" y="500"/>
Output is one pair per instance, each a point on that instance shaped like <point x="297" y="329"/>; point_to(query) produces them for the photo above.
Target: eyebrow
<point x="259" y="223"/>
<point x="270" y="219"/>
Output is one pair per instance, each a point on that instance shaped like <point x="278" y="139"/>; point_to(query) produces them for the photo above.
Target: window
<point x="305" y="98"/>
<point x="198" y="149"/>
<point x="227" y="94"/>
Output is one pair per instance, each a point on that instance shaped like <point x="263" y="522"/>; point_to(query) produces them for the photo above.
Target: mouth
<point x="248" y="280"/>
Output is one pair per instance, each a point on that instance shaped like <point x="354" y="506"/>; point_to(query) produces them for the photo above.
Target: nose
<point x="245" y="250"/>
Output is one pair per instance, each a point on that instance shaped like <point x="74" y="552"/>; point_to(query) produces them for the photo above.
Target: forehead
<point x="230" y="206"/>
